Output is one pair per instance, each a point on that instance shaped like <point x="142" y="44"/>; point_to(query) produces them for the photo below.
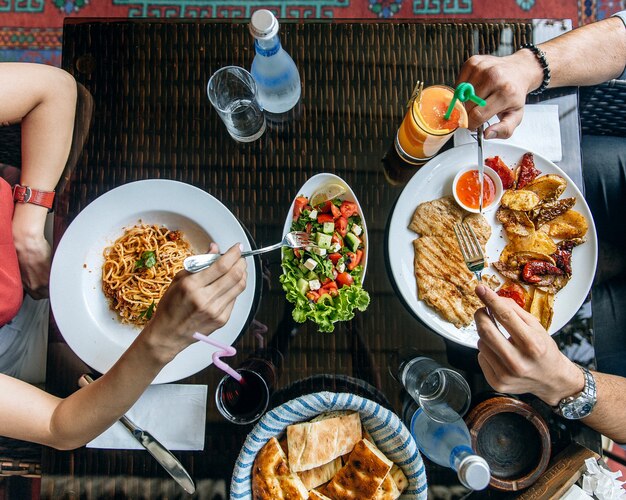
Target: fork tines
<point x="470" y="246"/>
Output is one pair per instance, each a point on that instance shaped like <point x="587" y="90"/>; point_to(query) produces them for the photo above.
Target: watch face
<point x="579" y="408"/>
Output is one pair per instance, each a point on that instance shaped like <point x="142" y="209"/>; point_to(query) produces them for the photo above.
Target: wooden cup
<point x="514" y="440"/>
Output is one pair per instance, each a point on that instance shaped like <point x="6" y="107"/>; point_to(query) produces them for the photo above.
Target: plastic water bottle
<point x="449" y="444"/>
<point x="274" y="71"/>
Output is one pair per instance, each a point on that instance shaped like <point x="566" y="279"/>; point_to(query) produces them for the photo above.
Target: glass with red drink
<point x="242" y="402"/>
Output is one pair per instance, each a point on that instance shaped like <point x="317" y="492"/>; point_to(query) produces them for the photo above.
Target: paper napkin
<point x="175" y="414"/>
<point x="539" y="132"/>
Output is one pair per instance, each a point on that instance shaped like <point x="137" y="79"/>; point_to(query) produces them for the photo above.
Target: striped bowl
<point x="386" y="429"/>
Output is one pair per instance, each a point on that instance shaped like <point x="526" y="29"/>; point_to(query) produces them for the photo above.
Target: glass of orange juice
<point x="424" y="129"/>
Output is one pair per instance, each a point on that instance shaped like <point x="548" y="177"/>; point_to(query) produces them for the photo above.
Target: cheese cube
<point x="318" y="250"/>
<point x="356" y="229"/>
<point x="341" y="267"/>
<point x="313" y="214"/>
<point x="315" y="285"/>
<point x="310" y="264"/>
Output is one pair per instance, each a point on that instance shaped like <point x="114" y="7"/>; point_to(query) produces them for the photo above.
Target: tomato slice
<point x="335" y="211"/>
<point x="349" y="208"/>
<point x="505" y="173"/>
<point x="527" y="171"/>
<point x="297" y="253"/>
<point x="322" y="218"/>
<point x="341" y="226"/>
<point x="330" y="288"/>
<point x="325" y="207"/>
<point x="354" y="259"/>
<point x="337" y="239"/>
<point x="312" y="295"/>
<point x="344" y="279"/>
<point x="299" y="204"/>
<point x="515" y="292"/>
<point x="334" y="258"/>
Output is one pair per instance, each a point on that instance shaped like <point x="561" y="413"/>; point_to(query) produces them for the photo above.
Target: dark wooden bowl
<point x="514" y="440"/>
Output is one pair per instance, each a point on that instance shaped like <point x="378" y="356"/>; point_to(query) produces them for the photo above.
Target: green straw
<point x="464" y="92"/>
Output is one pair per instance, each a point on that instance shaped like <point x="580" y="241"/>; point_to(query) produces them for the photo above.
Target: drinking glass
<point x="443" y="393"/>
<point x="233" y="93"/>
<point x="424" y="130"/>
<point x="245" y="402"/>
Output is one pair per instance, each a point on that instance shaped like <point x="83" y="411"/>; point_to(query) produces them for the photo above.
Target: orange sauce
<point x="424" y="129"/>
<point x="468" y="189"/>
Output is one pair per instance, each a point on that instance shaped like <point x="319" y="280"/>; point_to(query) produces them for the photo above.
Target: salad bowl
<point x="324" y="281"/>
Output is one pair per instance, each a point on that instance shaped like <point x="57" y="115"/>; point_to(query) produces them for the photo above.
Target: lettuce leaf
<point x="327" y="310"/>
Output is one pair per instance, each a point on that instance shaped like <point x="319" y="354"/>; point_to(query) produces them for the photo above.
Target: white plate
<point x="433" y="181"/>
<point x="311" y="186"/>
<point x="81" y="311"/>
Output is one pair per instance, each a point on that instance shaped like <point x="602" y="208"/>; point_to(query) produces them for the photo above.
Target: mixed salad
<point x="324" y="280"/>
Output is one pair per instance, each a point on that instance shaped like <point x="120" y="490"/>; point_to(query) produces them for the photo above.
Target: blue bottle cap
<point x="263" y="24"/>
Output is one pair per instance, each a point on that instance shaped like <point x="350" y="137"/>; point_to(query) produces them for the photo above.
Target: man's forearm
<point x="609" y="415"/>
<point x="588" y="55"/>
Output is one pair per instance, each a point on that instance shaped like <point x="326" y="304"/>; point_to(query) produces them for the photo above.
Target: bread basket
<point x="387" y="430"/>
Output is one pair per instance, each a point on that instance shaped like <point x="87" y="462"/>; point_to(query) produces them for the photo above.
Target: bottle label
<point x="266" y="52"/>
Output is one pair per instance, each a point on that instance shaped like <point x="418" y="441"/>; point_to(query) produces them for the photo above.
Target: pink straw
<point x="224" y="350"/>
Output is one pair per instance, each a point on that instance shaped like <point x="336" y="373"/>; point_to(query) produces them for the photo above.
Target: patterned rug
<point x="31" y="30"/>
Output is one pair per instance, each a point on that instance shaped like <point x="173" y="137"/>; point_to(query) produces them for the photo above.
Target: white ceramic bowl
<point x="492" y="175"/>
<point x="315" y="183"/>
<point x="387" y="430"/>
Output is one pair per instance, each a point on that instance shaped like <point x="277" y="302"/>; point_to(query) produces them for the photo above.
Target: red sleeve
<point x="11" y="291"/>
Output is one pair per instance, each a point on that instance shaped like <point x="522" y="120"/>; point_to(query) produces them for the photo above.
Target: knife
<point x="481" y="166"/>
<point x="160" y="453"/>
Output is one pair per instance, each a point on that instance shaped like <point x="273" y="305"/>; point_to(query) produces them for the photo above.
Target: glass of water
<point x="443" y="394"/>
<point x="233" y="93"/>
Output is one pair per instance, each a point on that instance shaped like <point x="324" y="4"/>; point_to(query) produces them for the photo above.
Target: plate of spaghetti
<point x="119" y="255"/>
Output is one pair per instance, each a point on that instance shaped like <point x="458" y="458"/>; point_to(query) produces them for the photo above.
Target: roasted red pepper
<point x="504" y="172"/>
<point x="515" y="292"/>
<point x="527" y="171"/>
<point x="536" y="268"/>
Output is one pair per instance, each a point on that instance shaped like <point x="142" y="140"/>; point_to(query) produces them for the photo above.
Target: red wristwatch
<point x="25" y="194"/>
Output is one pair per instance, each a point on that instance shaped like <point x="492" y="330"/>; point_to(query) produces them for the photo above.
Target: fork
<point x="294" y="239"/>
<point x="473" y="255"/>
<point x="470" y="248"/>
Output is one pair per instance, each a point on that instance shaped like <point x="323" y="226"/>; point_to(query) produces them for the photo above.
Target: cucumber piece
<point x="303" y="286"/>
<point x="329" y="227"/>
<point x="324" y="240"/>
<point x="353" y="241"/>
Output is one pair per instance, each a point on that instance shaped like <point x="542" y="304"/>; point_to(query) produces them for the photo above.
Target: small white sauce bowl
<point x="496" y="181"/>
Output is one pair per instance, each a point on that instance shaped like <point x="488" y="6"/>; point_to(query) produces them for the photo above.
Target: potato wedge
<point x="515" y="222"/>
<point x="520" y="200"/>
<point x="542" y="307"/>
<point x="537" y="242"/>
<point x="547" y="187"/>
<point x="571" y="224"/>
<point x="545" y="212"/>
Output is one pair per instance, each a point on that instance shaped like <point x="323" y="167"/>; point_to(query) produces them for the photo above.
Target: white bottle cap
<point x="263" y="24"/>
<point x="474" y="472"/>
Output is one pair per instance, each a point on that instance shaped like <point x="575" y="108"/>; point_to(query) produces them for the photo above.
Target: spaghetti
<point x="139" y="267"/>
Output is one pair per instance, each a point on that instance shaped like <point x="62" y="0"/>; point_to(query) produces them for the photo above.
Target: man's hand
<point x="503" y="82"/>
<point x="530" y="360"/>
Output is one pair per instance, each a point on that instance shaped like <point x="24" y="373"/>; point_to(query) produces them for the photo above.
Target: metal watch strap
<point x="589" y="393"/>
<point x="26" y="194"/>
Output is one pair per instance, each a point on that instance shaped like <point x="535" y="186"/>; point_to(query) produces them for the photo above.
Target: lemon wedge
<point x="327" y="192"/>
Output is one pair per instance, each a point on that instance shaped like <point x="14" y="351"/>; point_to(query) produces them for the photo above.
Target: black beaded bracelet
<point x="541" y="57"/>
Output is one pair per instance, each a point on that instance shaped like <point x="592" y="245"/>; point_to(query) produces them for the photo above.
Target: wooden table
<point x="152" y="119"/>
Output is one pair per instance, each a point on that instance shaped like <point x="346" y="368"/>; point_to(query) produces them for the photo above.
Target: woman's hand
<point x="200" y="302"/>
<point x="33" y="251"/>
<point x="528" y="361"/>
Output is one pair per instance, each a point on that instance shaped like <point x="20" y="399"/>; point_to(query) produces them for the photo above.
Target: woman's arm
<point x="199" y="302"/>
<point x="43" y="99"/>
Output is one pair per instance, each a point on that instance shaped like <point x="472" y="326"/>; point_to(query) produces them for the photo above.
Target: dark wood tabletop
<point x="152" y="119"/>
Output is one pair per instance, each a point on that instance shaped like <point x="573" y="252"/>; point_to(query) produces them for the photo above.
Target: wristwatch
<point x="580" y="405"/>
<point x="26" y="194"/>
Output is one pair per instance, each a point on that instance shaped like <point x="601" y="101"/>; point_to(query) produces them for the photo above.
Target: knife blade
<point x="481" y="166"/>
<point x="161" y="454"/>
